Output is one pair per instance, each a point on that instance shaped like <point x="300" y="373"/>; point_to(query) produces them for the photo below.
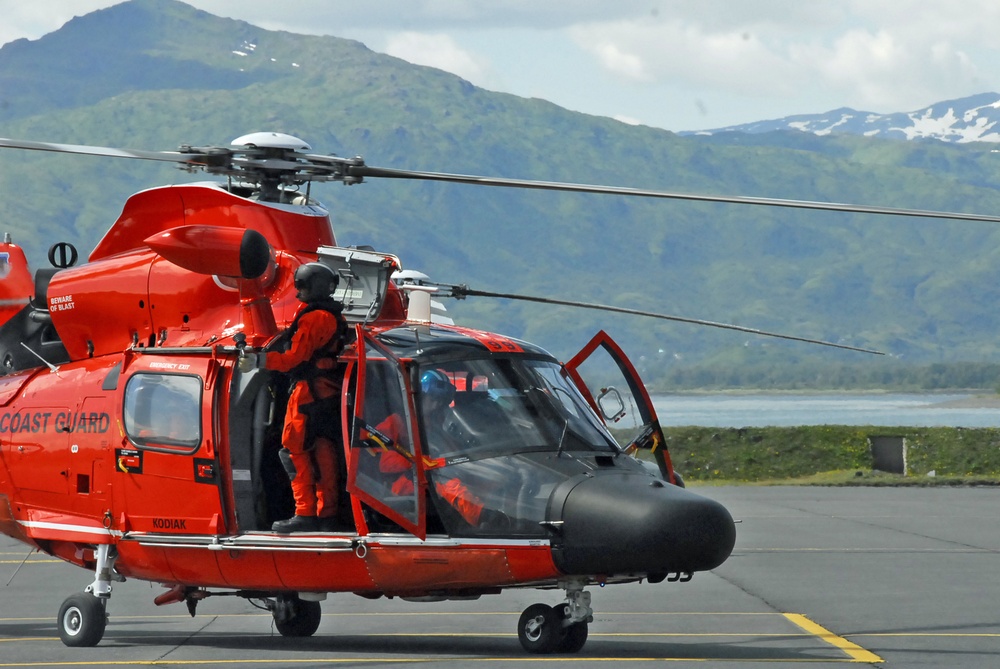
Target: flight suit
<point x="394" y="463"/>
<point x="315" y="343"/>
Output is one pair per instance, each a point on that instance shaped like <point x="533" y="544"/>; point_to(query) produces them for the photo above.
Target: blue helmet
<point x="434" y="383"/>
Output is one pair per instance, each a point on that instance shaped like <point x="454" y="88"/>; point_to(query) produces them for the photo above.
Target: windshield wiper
<point x="562" y="439"/>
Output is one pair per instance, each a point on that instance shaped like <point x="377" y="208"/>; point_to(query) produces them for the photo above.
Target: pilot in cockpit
<point x="436" y="395"/>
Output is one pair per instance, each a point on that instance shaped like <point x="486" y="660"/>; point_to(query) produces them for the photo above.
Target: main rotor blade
<point x="462" y="291"/>
<point x="389" y="173"/>
<point x="221" y="160"/>
<point x="166" y="156"/>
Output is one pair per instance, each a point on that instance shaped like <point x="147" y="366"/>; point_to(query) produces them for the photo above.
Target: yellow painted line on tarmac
<point x="609" y="635"/>
<point x="285" y="660"/>
<point x="853" y="650"/>
<point x="462" y="661"/>
<point x="157" y="663"/>
<point x="890" y="551"/>
<point x="424" y="614"/>
<point x="983" y="635"/>
<point x="602" y="615"/>
<point x="744" y="635"/>
<point x="181" y="616"/>
<point x="465" y="660"/>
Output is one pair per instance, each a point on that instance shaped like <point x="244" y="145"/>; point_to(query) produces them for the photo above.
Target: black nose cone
<point x="624" y="523"/>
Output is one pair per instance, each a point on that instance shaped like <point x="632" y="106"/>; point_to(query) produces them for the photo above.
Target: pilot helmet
<point x="435" y="384"/>
<point x="315" y="281"/>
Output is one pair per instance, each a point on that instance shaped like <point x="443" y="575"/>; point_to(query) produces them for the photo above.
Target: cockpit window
<point x="499" y="406"/>
<point x="163" y="412"/>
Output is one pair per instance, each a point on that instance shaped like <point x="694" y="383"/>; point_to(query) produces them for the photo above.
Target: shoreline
<point x="970" y="408"/>
<point x="976" y="402"/>
<point x="979" y="392"/>
<point x="978" y="397"/>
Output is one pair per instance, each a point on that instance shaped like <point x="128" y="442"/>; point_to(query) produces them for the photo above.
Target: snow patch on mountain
<point x="971" y="119"/>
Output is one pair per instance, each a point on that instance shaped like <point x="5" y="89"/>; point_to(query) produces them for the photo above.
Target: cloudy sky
<point x="675" y="64"/>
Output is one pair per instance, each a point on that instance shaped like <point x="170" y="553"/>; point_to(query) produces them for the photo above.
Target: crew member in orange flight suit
<point x="437" y="393"/>
<point x="311" y="420"/>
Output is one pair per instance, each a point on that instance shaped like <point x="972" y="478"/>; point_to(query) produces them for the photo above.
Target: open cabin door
<point x="385" y="468"/>
<point x="609" y="381"/>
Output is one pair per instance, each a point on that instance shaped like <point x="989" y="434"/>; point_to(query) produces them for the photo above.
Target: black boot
<point x="296" y="524"/>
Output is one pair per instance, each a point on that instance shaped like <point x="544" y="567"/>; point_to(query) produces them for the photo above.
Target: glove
<point x="250" y="361"/>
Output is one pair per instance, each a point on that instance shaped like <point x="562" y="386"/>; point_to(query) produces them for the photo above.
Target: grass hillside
<point x="833" y="454"/>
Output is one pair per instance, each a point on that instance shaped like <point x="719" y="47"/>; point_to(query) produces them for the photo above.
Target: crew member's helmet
<point x="434" y="384"/>
<point x="315" y="281"/>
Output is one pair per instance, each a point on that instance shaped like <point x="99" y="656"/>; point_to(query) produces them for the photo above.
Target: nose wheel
<point x="544" y="629"/>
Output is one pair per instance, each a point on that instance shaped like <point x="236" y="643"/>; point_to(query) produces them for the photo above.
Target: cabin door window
<point x="385" y="470"/>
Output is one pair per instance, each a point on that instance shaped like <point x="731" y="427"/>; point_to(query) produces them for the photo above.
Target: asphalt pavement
<point x="820" y="577"/>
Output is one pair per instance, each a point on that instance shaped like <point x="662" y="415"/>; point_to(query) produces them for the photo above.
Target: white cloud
<point x="887" y="71"/>
<point x="884" y="55"/>
<point x="440" y="51"/>
<point x="34" y="19"/>
<point x="617" y="61"/>
<point x="425" y="15"/>
<point x="685" y="53"/>
<point x="627" y="120"/>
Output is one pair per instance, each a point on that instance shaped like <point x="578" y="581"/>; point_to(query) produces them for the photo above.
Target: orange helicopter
<point x="133" y="445"/>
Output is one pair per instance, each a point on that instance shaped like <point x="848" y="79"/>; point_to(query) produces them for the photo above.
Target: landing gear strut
<point x="83" y="616"/>
<point x="560" y="629"/>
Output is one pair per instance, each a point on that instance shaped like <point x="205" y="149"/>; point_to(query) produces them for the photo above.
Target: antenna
<point x="48" y="364"/>
<point x="11" y="580"/>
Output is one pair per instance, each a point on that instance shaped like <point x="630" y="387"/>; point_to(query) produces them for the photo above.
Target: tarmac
<point x="820" y="577"/>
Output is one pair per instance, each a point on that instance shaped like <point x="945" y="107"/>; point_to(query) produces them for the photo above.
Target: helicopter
<point x="134" y="444"/>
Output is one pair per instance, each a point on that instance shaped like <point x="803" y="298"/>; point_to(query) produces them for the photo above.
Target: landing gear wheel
<point x="574" y="636"/>
<point x="540" y="629"/>
<point x="297" y="617"/>
<point x="82" y="620"/>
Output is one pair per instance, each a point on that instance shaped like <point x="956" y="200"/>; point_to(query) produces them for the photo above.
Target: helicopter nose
<point x="619" y="524"/>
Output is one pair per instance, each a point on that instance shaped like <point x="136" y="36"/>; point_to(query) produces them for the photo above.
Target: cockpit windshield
<point x="487" y="407"/>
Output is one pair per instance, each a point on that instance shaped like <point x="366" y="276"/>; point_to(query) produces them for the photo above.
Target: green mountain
<point x="156" y="74"/>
